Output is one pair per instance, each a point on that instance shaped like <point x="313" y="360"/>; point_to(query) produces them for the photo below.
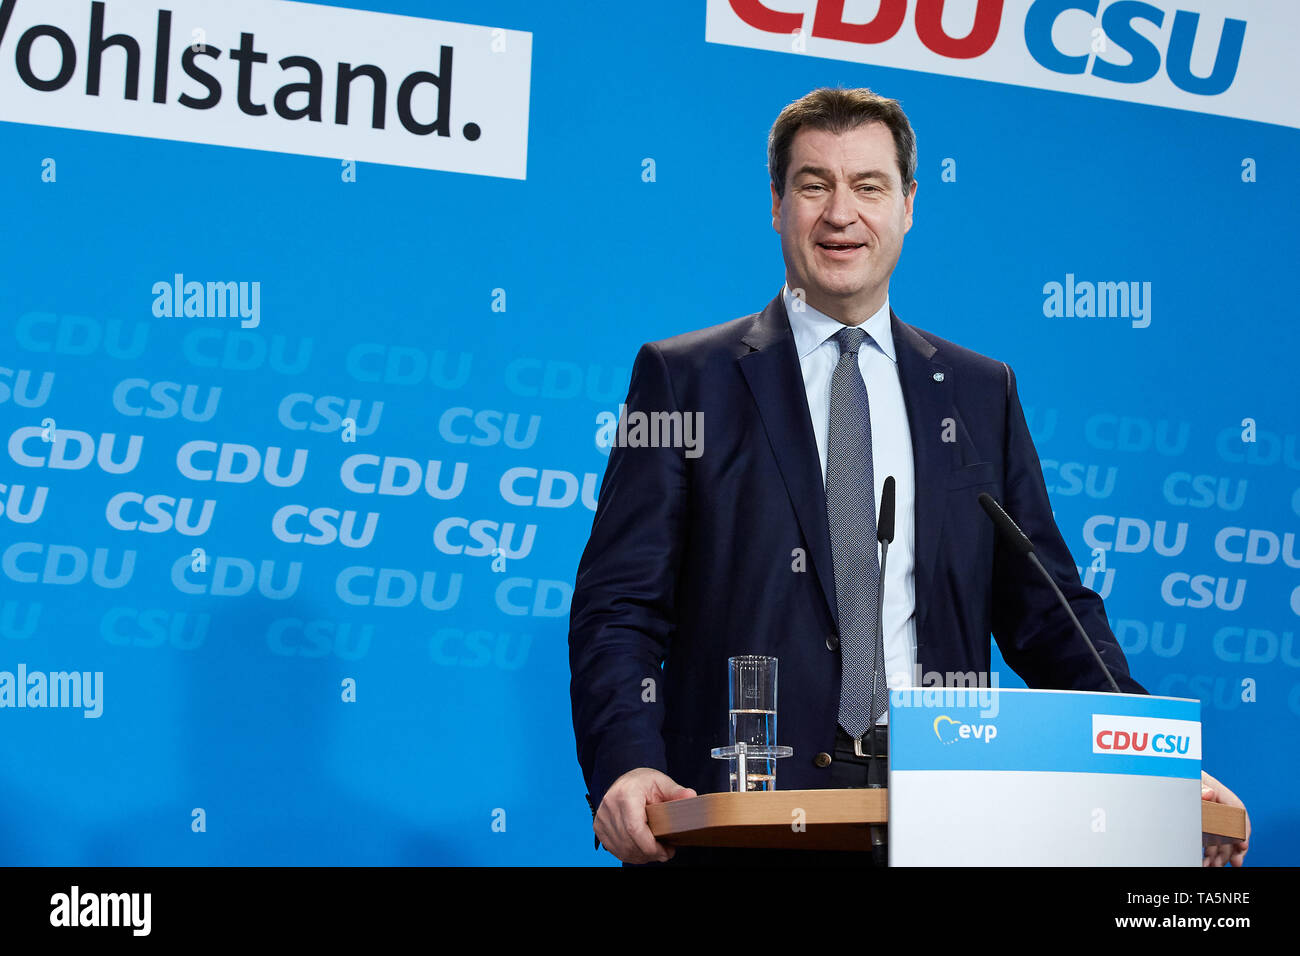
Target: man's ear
<point x="907" y="207"/>
<point x="776" y="208"/>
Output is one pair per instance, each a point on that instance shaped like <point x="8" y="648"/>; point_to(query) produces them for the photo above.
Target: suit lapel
<point x="927" y="393"/>
<point x="773" y="374"/>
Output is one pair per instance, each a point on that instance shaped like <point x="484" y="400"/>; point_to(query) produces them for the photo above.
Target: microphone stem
<point x="879" y="854"/>
<point x="880" y="632"/>
<point x="1069" y="610"/>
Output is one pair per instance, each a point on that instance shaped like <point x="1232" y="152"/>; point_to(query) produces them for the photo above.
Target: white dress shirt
<point x="891" y="454"/>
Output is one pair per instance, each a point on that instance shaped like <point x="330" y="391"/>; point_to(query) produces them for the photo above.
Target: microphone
<point x="885" y="535"/>
<point x="885" y="526"/>
<point x="1020" y="542"/>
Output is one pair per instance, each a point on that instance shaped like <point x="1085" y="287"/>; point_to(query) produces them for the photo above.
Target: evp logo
<point x="950" y="731"/>
<point x="1187" y="54"/>
<point x="1146" y="736"/>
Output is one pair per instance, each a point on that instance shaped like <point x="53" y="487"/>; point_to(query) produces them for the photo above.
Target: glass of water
<point x="753" y="750"/>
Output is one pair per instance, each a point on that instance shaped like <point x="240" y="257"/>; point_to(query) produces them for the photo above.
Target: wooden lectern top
<point x="823" y="819"/>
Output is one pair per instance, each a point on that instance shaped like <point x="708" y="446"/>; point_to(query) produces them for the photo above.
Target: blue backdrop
<point x="481" y="324"/>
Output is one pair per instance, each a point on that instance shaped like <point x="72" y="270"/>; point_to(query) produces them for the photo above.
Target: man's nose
<point x="841" y="211"/>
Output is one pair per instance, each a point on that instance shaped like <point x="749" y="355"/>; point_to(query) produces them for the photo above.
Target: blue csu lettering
<point x="1170" y="744"/>
<point x="1117" y="24"/>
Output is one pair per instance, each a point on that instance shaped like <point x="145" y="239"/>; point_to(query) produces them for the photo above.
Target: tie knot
<point x="849" y="339"/>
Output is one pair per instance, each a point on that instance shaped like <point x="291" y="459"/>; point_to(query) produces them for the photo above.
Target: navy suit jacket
<point x="691" y="559"/>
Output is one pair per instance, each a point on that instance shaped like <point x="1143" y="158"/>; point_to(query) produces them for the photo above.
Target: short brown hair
<point x="837" y="110"/>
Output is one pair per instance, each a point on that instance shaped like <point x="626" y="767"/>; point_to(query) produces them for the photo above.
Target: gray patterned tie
<point x="851" y="512"/>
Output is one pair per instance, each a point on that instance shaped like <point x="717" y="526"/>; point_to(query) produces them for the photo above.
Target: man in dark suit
<point x="761" y="538"/>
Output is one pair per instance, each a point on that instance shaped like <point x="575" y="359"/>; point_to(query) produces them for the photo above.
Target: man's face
<point x="843" y="218"/>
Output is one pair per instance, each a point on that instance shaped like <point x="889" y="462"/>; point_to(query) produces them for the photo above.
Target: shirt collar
<point x="811" y="328"/>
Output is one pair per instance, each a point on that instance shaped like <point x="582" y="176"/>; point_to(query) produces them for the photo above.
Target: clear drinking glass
<point x="753" y="751"/>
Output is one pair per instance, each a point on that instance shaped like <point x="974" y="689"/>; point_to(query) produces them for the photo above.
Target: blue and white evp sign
<point x="1043" y="778"/>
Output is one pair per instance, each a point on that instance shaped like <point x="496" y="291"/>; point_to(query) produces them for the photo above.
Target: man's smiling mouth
<point x="840" y="248"/>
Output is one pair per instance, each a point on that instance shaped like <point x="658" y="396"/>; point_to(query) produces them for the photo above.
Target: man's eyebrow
<point x="821" y="172"/>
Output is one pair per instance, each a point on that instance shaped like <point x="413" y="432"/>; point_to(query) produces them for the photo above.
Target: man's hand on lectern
<point x="1223" y="853"/>
<point x="620" y="822"/>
